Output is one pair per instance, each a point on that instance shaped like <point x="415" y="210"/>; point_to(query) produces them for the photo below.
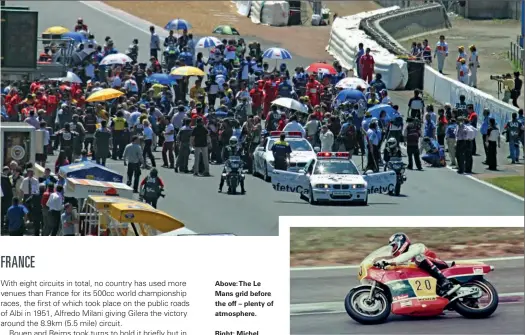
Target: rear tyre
<point x="466" y="308"/>
<point x="367" y="312"/>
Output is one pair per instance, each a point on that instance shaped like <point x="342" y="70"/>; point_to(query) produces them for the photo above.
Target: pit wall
<point x="443" y="89"/>
<point x="345" y="37"/>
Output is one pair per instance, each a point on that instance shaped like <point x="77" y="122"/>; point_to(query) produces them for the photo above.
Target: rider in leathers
<point x="403" y="252"/>
<point x="391" y="150"/>
<point x="152" y="187"/>
<point x="232" y="149"/>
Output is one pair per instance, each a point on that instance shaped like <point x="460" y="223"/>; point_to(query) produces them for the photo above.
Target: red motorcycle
<point x="410" y="291"/>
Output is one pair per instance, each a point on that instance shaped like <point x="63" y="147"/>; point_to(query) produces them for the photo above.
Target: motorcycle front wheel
<point x="367" y="311"/>
<point x="470" y="307"/>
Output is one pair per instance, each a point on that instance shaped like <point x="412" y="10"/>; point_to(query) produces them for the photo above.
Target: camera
<point x="497" y="77"/>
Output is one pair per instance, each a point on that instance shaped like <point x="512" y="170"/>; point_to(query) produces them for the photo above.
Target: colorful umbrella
<point x="187" y="71"/>
<point x="208" y="42"/>
<point x="352" y="96"/>
<point x="104" y="95"/>
<point x="56" y="30"/>
<point x="69" y="78"/>
<point x="116" y="59"/>
<point x="178" y="24"/>
<point x="225" y="30"/>
<point x="391" y="113"/>
<point x="325" y="68"/>
<point x="351" y="83"/>
<point x="77" y="37"/>
<point x="277" y="53"/>
<point x="162" y="78"/>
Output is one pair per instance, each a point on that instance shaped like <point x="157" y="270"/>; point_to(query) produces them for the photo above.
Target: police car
<point x="302" y="153"/>
<point x="333" y="177"/>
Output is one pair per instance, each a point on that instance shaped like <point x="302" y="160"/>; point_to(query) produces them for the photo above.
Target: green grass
<point x="326" y="246"/>
<point x="514" y="184"/>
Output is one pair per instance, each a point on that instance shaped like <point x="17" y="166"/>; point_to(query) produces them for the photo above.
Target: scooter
<point x="397" y="165"/>
<point x="410" y="291"/>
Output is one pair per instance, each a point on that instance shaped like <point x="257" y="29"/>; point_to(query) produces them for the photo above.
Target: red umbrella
<point x="315" y="67"/>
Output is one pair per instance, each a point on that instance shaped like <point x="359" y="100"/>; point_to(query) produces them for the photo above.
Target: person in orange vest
<point x="441" y="53"/>
<point x="313" y="90"/>
<point x="367" y="66"/>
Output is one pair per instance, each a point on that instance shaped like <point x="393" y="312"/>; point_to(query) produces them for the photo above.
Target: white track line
<point x="347" y="267"/>
<point x="337" y="307"/>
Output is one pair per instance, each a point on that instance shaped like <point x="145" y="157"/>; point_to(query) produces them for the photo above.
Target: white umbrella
<point x="351" y="83"/>
<point x="208" y="42"/>
<point x="290" y="104"/>
<point x="70" y="78"/>
<point x="115" y="59"/>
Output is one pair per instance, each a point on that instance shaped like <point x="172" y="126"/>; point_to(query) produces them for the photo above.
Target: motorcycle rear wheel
<point x="469" y="312"/>
<point x="360" y="316"/>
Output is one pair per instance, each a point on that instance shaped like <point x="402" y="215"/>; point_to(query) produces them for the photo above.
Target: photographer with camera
<point x="151" y="188"/>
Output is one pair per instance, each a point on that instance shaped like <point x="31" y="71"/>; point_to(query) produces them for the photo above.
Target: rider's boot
<point x="445" y="286"/>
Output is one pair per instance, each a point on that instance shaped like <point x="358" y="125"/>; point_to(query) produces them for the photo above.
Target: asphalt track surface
<point x="317" y="298"/>
<point x="195" y="200"/>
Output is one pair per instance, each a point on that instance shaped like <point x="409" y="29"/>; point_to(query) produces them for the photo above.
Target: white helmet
<point x="391" y="143"/>
<point x="234" y="140"/>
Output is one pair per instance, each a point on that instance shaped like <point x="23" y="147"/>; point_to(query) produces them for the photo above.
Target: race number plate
<point x="423" y="287"/>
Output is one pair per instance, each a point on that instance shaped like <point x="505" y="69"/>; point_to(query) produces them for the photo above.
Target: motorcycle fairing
<point x="462" y="272"/>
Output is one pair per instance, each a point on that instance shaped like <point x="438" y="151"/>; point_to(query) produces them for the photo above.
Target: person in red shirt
<point x="282" y="122"/>
<point x="257" y="95"/>
<point x="313" y="91"/>
<point x="270" y="90"/>
<point x="35" y="86"/>
<point x="40" y="100"/>
<point x="27" y="106"/>
<point x="367" y="66"/>
<point x="80" y="25"/>
<point x="11" y="101"/>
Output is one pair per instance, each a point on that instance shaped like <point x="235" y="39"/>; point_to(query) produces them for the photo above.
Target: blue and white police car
<point x="333" y="177"/>
<point x="302" y="153"/>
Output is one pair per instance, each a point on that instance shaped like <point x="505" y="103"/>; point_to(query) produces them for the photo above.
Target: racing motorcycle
<point x="410" y="291"/>
<point x="234" y="173"/>
<point x="397" y="165"/>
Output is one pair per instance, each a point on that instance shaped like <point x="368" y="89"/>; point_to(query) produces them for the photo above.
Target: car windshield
<point x="296" y="145"/>
<point x="383" y="252"/>
<point x="335" y="167"/>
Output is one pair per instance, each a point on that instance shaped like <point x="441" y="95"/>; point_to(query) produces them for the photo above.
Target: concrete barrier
<point x="345" y="37"/>
<point x="243" y="7"/>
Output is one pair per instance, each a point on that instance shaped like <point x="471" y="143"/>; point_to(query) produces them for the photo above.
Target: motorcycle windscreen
<point x="285" y="181"/>
<point x="381" y="182"/>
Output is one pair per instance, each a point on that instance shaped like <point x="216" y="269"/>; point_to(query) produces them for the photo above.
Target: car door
<point x="381" y="182"/>
<point x="294" y="182"/>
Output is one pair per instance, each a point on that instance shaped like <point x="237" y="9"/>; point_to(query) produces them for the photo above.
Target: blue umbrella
<point x="277" y="53"/>
<point x="162" y="78"/>
<point x="350" y="95"/>
<point x="391" y="113"/>
<point x="178" y="24"/>
<point x="77" y="37"/>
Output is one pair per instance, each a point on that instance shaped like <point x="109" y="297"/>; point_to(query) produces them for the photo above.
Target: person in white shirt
<point x="29" y="187"/>
<point x="385" y="98"/>
<point x="293" y="125"/>
<point x="473" y="65"/>
<point x="327" y="139"/>
<point x="463" y="72"/>
<point x="167" y="147"/>
<point x="55" y="203"/>
<point x="312" y="128"/>
<point x="148" y="143"/>
<point x="441" y="53"/>
<point x="154" y="44"/>
<point x="131" y="86"/>
<point x="42" y="158"/>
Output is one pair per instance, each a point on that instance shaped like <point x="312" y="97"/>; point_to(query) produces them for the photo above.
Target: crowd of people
<point x="234" y="100"/>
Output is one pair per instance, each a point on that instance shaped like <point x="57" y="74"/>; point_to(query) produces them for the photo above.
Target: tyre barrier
<point x="345" y="37"/>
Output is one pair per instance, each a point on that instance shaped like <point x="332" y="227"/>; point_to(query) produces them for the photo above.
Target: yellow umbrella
<point x="187" y="71"/>
<point x="56" y="30"/>
<point x="103" y="95"/>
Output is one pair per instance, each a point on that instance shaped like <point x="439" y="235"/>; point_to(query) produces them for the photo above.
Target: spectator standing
<point x="360" y="53"/>
<point x="512" y="131"/>
<point x="199" y="141"/>
<point x="493" y="139"/>
<point x="69" y="221"/>
<point x="367" y="66"/>
<point x="45" y="209"/>
<point x="16" y="217"/>
<point x="154" y="44"/>
<point x="416" y="105"/>
<point x="412" y="134"/>
<point x="484" y="132"/>
<point x="450" y="136"/>
<point x="56" y="206"/>
<point x="473" y="64"/>
<point x="133" y="157"/>
<point x="516" y="92"/>
<point x="167" y="147"/>
<point x="441" y="53"/>
<point x="461" y="55"/>
<point x="101" y="140"/>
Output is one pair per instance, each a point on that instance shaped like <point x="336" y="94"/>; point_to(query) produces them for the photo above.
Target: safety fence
<point x="516" y="54"/>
